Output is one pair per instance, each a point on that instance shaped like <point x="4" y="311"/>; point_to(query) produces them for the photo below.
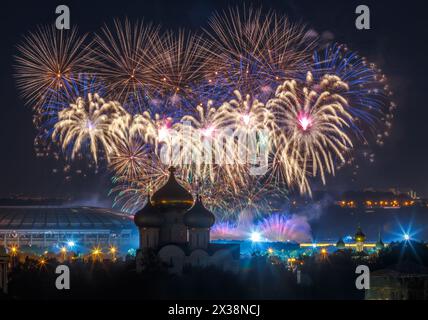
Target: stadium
<point x="50" y="228"/>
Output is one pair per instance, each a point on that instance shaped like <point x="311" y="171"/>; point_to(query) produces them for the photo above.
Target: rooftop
<point x="62" y="218"/>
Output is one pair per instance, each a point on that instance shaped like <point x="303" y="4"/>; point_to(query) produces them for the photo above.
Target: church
<point x="176" y="227"/>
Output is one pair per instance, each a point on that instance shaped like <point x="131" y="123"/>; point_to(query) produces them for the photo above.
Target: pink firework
<point x="226" y="231"/>
<point x="282" y="228"/>
<point x="305" y="121"/>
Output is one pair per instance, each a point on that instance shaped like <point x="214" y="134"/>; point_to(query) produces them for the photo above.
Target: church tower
<point x="360" y="238"/>
<point x="172" y="200"/>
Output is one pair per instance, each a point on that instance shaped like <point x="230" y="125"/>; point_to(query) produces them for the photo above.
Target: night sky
<point x="397" y="42"/>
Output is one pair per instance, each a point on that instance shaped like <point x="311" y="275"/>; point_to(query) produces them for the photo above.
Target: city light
<point x="71" y="244"/>
<point x="96" y="251"/>
<point x="406" y="237"/>
<point x="14" y="250"/>
<point x="256" y="237"/>
<point x="63" y="249"/>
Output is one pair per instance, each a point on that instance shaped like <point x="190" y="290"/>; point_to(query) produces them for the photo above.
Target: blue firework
<point x="368" y="95"/>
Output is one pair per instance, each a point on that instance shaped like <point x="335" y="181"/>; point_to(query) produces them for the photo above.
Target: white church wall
<point x="173" y="256"/>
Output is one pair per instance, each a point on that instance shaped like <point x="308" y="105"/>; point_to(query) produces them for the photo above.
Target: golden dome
<point x="172" y="194"/>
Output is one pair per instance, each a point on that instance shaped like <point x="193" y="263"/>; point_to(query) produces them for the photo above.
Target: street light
<point x="14" y="250"/>
<point x="96" y="252"/>
<point x="113" y="252"/>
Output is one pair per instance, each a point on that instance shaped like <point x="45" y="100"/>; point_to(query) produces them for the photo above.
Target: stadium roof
<point x="62" y="218"/>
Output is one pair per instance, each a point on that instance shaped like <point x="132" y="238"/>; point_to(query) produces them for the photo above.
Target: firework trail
<point x="87" y="121"/>
<point x="368" y="92"/>
<point x="275" y="228"/>
<point x="182" y="61"/>
<point x="283" y="228"/>
<point x="313" y="121"/>
<point x="130" y="191"/>
<point x="123" y="58"/>
<point x="255" y="50"/>
<point x="48" y="61"/>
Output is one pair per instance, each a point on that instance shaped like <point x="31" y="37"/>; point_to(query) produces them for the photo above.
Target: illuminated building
<point x="360" y="237"/>
<point x="376" y="199"/>
<point x="39" y="228"/>
<point x="177" y="229"/>
<point x="358" y="245"/>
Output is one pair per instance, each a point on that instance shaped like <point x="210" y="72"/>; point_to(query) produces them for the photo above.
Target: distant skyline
<point x="396" y="42"/>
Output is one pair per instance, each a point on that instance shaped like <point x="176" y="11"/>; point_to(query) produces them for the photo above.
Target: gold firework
<point x="49" y="60"/>
<point x="256" y="49"/>
<point x="310" y="123"/>
<point x="124" y="57"/>
<point x="87" y="122"/>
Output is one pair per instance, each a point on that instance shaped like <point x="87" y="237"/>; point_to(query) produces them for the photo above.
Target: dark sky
<point x="397" y="42"/>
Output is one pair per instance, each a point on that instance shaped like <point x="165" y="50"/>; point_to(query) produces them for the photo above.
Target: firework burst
<point x="124" y="57"/>
<point x="49" y="60"/>
<point x="244" y="116"/>
<point x="368" y="93"/>
<point x="257" y="50"/>
<point x="311" y="120"/>
<point x="87" y="121"/>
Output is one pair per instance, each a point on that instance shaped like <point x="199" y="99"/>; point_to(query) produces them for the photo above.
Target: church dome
<point x="172" y="194"/>
<point x="148" y="216"/>
<point x="340" y="245"/>
<point x="199" y="216"/>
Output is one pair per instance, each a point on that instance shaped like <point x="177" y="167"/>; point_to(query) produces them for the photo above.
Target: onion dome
<point x="199" y="216"/>
<point x="359" y="235"/>
<point x="172" y="194"/>
<point x="340" y="245"/>
<point x="148" y="216"/>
